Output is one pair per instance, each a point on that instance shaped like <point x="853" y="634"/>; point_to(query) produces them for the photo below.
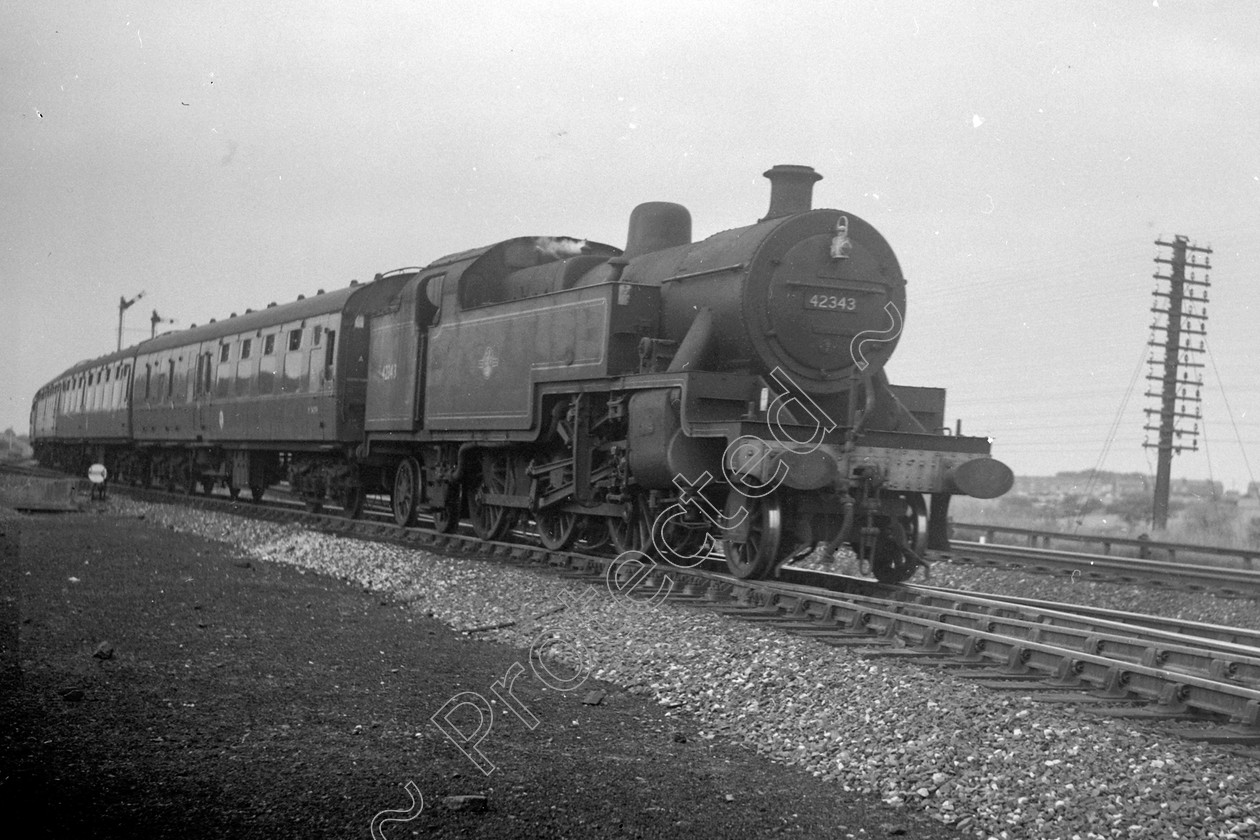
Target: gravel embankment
<point x="991" y="764"/>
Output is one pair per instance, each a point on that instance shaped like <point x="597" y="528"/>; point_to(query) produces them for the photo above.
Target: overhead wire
<point x="1111" y="435"/>
<point x="1229" y="412"/>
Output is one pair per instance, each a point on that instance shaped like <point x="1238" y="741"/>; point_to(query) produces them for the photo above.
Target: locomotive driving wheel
<point x="557" y="530"/>
<point x="592" y="533"/>
<point x="351" y="497"/>
<point x="446" y="517"/>
<point x="678" y="541"/>
<point x="754" y="544"/>
<point x="491" y="521"/>
<point x="187" y="477"/>
<point x="406" y="492"/>
<point x="630" y="533"/>
<point x="901" y="539"/>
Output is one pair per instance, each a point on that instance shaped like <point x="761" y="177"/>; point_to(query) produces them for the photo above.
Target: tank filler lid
<point x="655" y="226"/>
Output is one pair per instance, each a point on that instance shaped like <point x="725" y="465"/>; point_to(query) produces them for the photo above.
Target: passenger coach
<point x="237" y="402"/>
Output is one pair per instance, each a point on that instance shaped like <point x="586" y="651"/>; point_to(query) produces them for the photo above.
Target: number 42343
<point x="837" y="302"/>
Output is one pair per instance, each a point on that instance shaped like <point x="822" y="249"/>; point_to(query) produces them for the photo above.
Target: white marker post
<point x="97" y="475"/>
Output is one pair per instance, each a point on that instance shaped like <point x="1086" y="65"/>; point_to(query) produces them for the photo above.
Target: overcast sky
<point x="1021" y="158"/>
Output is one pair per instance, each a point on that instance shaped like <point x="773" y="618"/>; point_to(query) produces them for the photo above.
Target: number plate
<point x="841" y="302"/>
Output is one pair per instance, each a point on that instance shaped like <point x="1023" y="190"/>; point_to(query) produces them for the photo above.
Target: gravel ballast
<point x="991" y="764"/>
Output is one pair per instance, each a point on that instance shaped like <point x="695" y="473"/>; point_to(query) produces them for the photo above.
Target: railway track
<point x="1203" y="677"/>
<point x="1190" y="577"/>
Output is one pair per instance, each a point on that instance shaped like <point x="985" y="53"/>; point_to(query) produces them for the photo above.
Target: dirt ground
<point x="159" y="685"/>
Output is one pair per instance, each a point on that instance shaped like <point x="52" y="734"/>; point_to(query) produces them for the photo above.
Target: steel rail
<point x="1104" y="567"/>
<point x="1177" y="628"/>
<point x="1144" y="546"/>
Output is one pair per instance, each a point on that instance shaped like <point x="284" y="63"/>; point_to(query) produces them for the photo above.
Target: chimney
<point x="791" y="189"/>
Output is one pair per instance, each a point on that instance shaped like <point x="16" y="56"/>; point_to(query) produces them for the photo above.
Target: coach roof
<point x="272" y="316"/>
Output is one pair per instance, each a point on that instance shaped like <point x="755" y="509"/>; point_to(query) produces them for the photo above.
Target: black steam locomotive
<point x="660" y="398"/>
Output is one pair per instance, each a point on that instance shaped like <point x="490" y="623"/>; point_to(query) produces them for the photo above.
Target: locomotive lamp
<point x="841" y="247"/>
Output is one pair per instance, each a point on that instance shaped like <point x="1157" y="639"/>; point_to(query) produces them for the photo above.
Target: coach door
<point x="200" y="390"/>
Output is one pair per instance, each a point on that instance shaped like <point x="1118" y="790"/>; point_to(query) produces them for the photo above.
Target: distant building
<point x="1101" y="485"/>
<point x="1196" y="490"/>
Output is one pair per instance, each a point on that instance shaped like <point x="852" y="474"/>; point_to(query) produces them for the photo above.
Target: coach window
<point x="148" y="380"/>
<point x="317" y="332"/>
<point x="170" y="379"/>
<point x="330" y="356"/>
<point x="245" y="369"/>
<point x="223" y="376"/>
<point x="291" y="378"/>
<point x="267" y="366"/>
<point x="201" y="380"/>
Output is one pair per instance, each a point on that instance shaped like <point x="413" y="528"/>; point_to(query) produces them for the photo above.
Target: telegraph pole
<point x="1184" y="319"/>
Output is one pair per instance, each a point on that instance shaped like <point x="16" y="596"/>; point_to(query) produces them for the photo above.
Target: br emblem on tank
<point x="489" y="361"/>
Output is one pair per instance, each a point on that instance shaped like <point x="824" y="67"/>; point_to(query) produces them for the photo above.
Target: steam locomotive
<point x="661" y="398"/>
